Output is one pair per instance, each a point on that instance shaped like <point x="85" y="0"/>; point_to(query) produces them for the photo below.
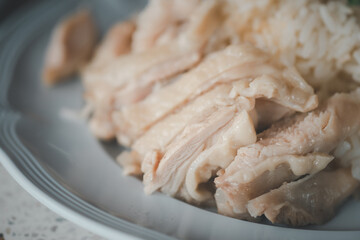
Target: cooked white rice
<point x="320" y="39"/>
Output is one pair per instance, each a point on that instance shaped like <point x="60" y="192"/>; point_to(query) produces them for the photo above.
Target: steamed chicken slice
<point x="189" y="52"/>
<point x="116" y="42"/>
<point x="159" y="167"/>
<point x="269" y="174"/>
<point x="71" y="46"/>
<point x="107" y="88"/>
<point x="132" y="67"/>
<point x="215" y="157"/>
<point x="128" y="68"/>
<point x="195" y="36"/>
<point x="237" y="62"/>
<point x="218" y="155"/>
<point x="311" y="200"/>
<point x="161" y="134"/>
<point x="132" y="77"/>
<point x="182" y="176"/>
<point x="167" y="170"/>
<point x="317" y="132"/>
<point x="159" y="18"/>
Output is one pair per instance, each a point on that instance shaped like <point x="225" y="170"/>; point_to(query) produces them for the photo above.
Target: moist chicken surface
<point x="266" y="164"/>
<point x="132" y="77"/>
<point x="116" y="42"/>
<point x="251" y="71"/>
<point x="179" y="153"/>
<point x="129" y="79"/>
<point x="211" y="118"/>
<point x="311" y="200"/>
<point x="70" y="47"/>
<point x="161" y="134"/>
<point x="160" y="22"/>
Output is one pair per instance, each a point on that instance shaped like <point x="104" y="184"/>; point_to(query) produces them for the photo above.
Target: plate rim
<point x="52" y="203"/>
<point x="57" y="207"/>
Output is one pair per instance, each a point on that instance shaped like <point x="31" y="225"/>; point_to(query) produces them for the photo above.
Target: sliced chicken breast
<point x="311" y="200"/>
<point x="70" y="48"/>
<point x="167" y="170"/>
<point x="215" y="151"/>
<point x="158" y="18"/>
<point x="267" y="175"/>
<point x="133" y="77"/>
<point x="186" y="145"/>
<point x="237" y="62"/>
<point x="239" y="132"/>
<point x="116" y="42"/>
<point x="161" y="134"/>
<point x="317" y="132"/>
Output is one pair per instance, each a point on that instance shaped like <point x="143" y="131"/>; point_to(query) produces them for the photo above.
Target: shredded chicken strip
<point x="161" y="134"/>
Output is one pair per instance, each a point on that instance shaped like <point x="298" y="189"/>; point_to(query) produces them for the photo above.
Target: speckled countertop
<point x="23" y="217"/>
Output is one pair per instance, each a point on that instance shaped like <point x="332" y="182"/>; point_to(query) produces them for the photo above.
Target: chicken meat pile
<point x="217" y="109"/>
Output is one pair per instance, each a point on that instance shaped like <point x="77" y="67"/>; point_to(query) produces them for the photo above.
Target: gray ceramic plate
<point x="58" y="161"/>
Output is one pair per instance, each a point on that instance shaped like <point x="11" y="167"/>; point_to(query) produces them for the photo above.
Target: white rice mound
<point x="347" y="154"/>
<point x="320" y="39"/>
